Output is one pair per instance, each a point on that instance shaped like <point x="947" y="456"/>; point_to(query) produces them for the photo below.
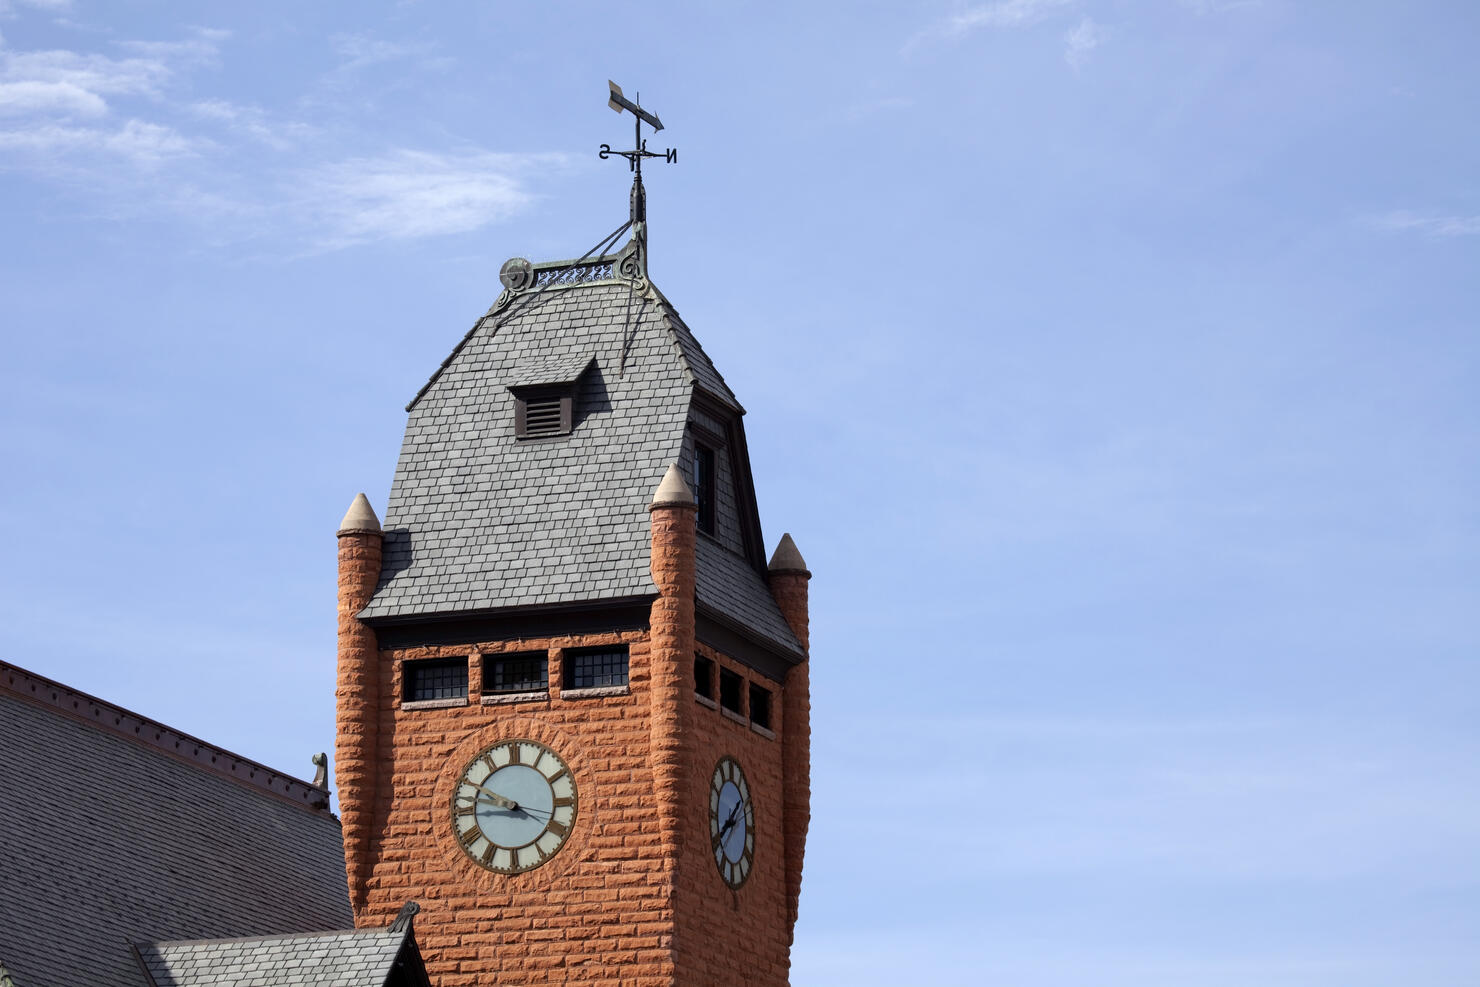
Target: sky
<point x="1113" y="364"/>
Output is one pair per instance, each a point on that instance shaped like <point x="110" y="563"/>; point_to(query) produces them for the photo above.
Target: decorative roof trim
<point x="114" y="719"/>
<point x="595" y="270"/>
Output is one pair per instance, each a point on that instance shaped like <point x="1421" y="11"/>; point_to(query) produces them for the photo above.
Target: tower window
<point x="434" y="678"/>
<point x="704" y="487"/>
<point x="525" y="672"/>
<point x="730" y="685"/>
<point x="704" y="676"/>
<point x="760" y="706"/>
<point x="592" y="668"/>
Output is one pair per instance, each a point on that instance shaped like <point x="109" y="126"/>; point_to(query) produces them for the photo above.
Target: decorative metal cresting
<point x="634" y="259"/>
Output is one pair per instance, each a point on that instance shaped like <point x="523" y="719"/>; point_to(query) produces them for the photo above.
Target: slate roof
<point x="351" y="958"/>
<point x="478" y="520"/>
<point x="116" y="829"/>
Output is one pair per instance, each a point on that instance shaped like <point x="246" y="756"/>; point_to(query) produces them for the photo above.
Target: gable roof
<point x="118" y="829"/>
<point x="479" y="521"/>
<point x="348" y="958"/>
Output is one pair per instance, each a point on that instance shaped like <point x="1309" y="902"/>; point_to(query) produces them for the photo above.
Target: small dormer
<point x="544" y="397"/>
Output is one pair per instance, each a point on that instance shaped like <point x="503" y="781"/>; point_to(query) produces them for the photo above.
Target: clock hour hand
<point x="730" y="822"/>
<point x="494" y="797"/>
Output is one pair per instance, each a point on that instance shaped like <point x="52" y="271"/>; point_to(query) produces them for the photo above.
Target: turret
<point x="788" y="578"/>
<point x="357" y="693"/>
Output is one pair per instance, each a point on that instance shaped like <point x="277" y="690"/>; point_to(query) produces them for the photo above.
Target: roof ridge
<point x="381" y="930"/>
<point x="33" y="687"/>
<point x="677" y="325"/>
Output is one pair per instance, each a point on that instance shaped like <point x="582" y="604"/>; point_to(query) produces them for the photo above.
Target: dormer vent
<point x="537" y="415"/>
<point x="544" y="397"/>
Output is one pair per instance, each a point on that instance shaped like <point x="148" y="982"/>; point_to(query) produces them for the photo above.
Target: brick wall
<point x="598" y="911"/>
<point x="739" y="936"/>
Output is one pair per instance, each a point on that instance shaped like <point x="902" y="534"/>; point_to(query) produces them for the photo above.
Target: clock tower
<point x="572" y="703"/>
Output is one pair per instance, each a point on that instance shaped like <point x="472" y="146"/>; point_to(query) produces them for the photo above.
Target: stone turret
<point x="357" y="694"/>
<point x="788" y="576"/>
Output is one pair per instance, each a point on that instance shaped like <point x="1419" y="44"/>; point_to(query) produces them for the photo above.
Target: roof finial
<point x="404" y="916"/>
<point x="637" y="201"/>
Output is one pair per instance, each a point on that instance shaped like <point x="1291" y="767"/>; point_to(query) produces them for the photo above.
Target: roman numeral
<point x="487" y="859"/>
<point x="558" y="828"/>
<point x="513" y="753"/>
<point x="466" y="810"/>
<point x="552" y="779"/>
<point x="470" y="835"/>
<point x="561" y="802"/>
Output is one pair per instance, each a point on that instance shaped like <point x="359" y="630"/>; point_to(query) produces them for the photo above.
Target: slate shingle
<point x="479" y="520"/>
<point x="352" y="958"/>
<point x="106" y="840"/>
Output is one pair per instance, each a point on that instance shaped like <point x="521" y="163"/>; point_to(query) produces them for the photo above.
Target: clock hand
<point x="495" y="797"/>
<point x="504" y="803"/>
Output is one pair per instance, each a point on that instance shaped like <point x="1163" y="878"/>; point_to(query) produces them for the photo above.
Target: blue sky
<point x="1113" y="364"/>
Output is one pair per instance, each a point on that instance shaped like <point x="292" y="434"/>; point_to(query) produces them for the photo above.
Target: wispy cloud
<point x="253" y="122"/>
<point x="95" y="74"/>
<point x="1218" y="6"/>
<point x="55" y="6"/>
<point x="408" y="194"/>
<point x="1001" y="14"/>
<point x="1083" y="39"/>
<point x="34" y="96"/>
<point x="884" y="105"/>
<point x="143" y="144"/>
<point x="76" y="116"/>
<point x="1428" y="224"/>
<point x="203" y="48"/>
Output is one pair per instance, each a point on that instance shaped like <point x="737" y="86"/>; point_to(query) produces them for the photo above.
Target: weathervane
<point x="634" y="157"/>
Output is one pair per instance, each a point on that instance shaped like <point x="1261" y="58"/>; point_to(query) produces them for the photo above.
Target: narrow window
<point x="760" y="706"/>
<point x="527" y="671"/>
<point x="704" y="487"/>
<point x="593" y="668"/>
<point x="435" y="678"/>
<point x="704" y="676"/>
<point x="729" y="690"/>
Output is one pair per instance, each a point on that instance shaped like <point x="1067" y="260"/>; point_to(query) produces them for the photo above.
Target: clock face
<point x="514" y="806"/>
<point x="731" y="822"/>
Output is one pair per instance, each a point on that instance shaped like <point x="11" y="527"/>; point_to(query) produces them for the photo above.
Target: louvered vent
<point x="542" y="413"/>
<point x="542" y="417"/>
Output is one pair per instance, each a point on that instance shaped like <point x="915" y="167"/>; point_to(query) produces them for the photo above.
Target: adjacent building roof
<point x="481" y="521"/>
<point x="116" y="829"/>
<point x="352" y="958"/>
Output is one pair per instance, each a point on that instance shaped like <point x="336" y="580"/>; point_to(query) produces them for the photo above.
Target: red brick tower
<point x="573" y="706"/>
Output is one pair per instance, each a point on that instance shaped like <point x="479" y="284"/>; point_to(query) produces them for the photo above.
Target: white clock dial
<point x="731" y="822"/>
<point x="514" y="806"/>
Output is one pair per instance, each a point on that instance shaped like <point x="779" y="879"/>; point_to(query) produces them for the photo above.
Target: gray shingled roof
<point x="478" y="520"/>
<point x="354" y="958"/>
<point x="106" y="839"/>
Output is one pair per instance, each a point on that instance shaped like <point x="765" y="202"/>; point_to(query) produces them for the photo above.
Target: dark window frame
<point x="731" y="684"/>
<point x="420" y="682"/>
<point x="706" y="482"/>
<point x="704" y="686"/>
<point x="760" y="712"/>
<point x="492" y="673"/>
<point x="577" y="672"/>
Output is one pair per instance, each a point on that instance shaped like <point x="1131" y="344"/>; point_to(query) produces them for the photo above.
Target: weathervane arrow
<point x="618" y="102"/>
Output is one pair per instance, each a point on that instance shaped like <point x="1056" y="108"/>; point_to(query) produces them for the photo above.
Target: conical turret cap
<point x="787" y="558"/>
<point x="672" y="490"/>
<point x="360" y="516"/>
